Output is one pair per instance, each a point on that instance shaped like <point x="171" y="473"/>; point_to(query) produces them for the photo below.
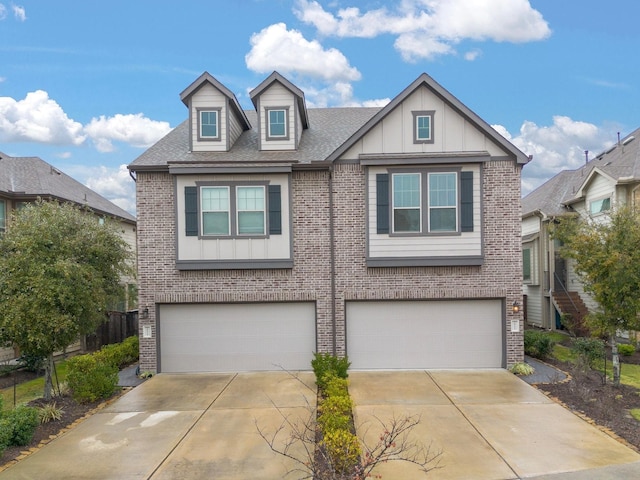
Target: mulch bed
<point x="591" y="395"/>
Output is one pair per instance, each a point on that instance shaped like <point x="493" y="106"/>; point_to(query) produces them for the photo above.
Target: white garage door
<point x="425" y="334"/>
<point x="236" y="337"/>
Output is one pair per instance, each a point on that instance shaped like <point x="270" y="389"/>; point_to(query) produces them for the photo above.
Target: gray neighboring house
<point x="25" y="179"/>
<point x="388" y="234"/>
<point x="550" y="283"/>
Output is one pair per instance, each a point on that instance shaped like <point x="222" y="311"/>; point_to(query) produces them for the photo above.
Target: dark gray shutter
<point x="382" y="202"/>
<point x="191" y="211"/>
<point x="275" y="210"/>
<point x="466" y="201"/>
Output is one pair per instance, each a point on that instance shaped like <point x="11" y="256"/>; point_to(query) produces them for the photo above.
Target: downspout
<point x="332" y="262"/>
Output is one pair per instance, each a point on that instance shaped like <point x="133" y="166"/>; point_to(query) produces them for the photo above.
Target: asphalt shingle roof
<point x="328" y="129"/>
<point x="621" y="162"/>
<point x="32" y="176"/>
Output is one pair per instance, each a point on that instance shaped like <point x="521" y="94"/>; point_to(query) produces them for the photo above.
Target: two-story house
<point x="25" y="179"/>
<point x="388" y="234"/>
<point x="550" y="283"/>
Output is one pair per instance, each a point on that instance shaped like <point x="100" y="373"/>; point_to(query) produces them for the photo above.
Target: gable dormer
<point x="282" y="113"/>
<point x="216" y="119"/>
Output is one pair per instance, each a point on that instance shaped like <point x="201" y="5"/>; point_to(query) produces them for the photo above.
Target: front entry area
<point x="236" y="337"/>
<point x="425" y="334"/>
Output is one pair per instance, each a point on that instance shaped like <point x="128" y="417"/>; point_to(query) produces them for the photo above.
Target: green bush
<point x="31" y="363"/>
<point x="324" y="363"/>
<point x="522" y="368"/>
<point x="626" y="349"/>
<point x="335" y="387"/>
<point x="335" y="413"/>
<point x="120" y="354"/>
<point x="343" y="449"/>
<point x="20" y="424"/>
<point x="91" y="378"/>
<point x="5" y="435"/>
<point x="589" y="350"/>
<point x="537" y="344"/>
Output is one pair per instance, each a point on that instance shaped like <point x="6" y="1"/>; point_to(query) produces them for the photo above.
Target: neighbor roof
<point x="31" y="177"/>
<point x="621" y="162"/>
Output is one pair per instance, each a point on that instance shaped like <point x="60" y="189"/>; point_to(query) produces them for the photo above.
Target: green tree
<point x="60" y="266"/>
<point x="607" y="258"/>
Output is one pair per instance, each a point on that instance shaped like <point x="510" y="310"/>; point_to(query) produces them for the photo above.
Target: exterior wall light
<point x="145" y="314"/>
<point x="515" y="307"/>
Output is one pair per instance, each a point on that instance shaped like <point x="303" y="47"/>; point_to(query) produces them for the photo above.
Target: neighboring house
<point x="389" y="234"/>
<point x="25" y="179"/>
<point x="551" y="286"/>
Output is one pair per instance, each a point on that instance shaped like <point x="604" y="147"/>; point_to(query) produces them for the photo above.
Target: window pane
<point x="601" y="205"/>
<point x="423" y="126"/>
<point x="215" y="198"/>
<point x="215" y="223"/>
<point x="277" y="123"/>
<point x="443" y="220"/>
<point x="406" y="220"/>
<point x="406" y="190"/>
<point x="251" y="223"/>
<point x="209" y="124"/>
<point x="250" y="198"/>
<point x="442" y="190"/>
<point x="526" y="264"/>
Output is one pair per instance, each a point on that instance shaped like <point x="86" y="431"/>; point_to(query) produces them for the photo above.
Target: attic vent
<point x="628" y="140"/>
<point x="56" y="171"/>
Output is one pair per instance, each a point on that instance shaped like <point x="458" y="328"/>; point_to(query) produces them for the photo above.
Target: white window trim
<point x="456" y="207"/>
<point x="601" y="200"/>
<point x="422" y="114"/>
<point x="394" y="208"/>
<point x="268" y="134"/>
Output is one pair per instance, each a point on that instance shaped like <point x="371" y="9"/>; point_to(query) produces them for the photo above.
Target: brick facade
<point x="310" y="278"/>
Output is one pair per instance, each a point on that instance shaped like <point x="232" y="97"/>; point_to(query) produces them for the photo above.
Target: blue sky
<point x="87" y="86"/>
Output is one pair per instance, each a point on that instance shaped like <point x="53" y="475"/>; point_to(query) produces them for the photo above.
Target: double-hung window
<point x="233" y="210"/>
<point x="209" y="124"/>
<point x="423" y="126"/>
<point x="277" y="124"/>
<point x="424" y="202"/>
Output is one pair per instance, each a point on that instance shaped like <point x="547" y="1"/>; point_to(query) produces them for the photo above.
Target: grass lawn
<point x="25" y="392"/>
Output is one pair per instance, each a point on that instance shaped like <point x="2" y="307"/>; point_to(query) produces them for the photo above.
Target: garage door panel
<point x="236" y="337"/>
<point x="425" y="334"/>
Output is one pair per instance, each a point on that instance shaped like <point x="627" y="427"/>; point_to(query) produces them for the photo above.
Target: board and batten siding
<point x="277" y="96"/>
<point x="209" y="97"/>
<point x="463" y="244"/>
<point x="452" y="131"/>
<point x="197" y="248"/>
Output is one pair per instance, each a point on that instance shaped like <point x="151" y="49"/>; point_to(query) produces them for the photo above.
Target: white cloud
<point x="472" y="55"/>
<point x="115" y="185"/>
<point x="557" y="147"/>
<point x="19" y="13"/>
<point x="287" y="51"/>
<point x="37" y="118"/>
<point x="3" y="12"/>
<point x="135" y="130"/>
<point x="426" y="29"/>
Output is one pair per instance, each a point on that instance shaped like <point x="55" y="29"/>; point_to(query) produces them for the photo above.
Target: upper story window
<point x="423" y="126"/>
<point x="277" y="121"/>
<point x="526" y="265"/>
<point x="425" y="202"/>
<point x="209" y="124"/>
<point x="600" y="206"/>
<point x="233" y="210"/>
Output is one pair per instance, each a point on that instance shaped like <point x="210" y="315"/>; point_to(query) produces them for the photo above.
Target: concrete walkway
<point x="488" y="425"/>
<point x="180" y="427"/>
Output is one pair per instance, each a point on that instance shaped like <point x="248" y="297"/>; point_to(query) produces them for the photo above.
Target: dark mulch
<point x="590" y="394"/>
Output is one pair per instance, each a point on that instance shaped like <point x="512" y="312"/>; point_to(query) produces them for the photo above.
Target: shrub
<point x="589" y="350"/>
<point x="335" y="413"/>
<point x="626" y="349"/>
<point x="343" y="449"/>
<point x="90" y="378"/>
<point x="335" y="387"/>
<point x="522" y="368"/>
<point x="324" y="363"/>
<point x="120" y="354"/>
<point x="537" y="344"/>
<point x="20" y="423"/>
<point x="49" y="412"/>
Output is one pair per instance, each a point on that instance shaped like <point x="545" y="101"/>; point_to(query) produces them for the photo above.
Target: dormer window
<point x="277" y="121"/>
<point x="209" y="124"/>
<point x="423" y="127"/>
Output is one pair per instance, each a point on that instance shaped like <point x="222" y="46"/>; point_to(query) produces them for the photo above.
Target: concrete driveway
<point x="489" y="425"/>
<point x="180" y="427"/>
